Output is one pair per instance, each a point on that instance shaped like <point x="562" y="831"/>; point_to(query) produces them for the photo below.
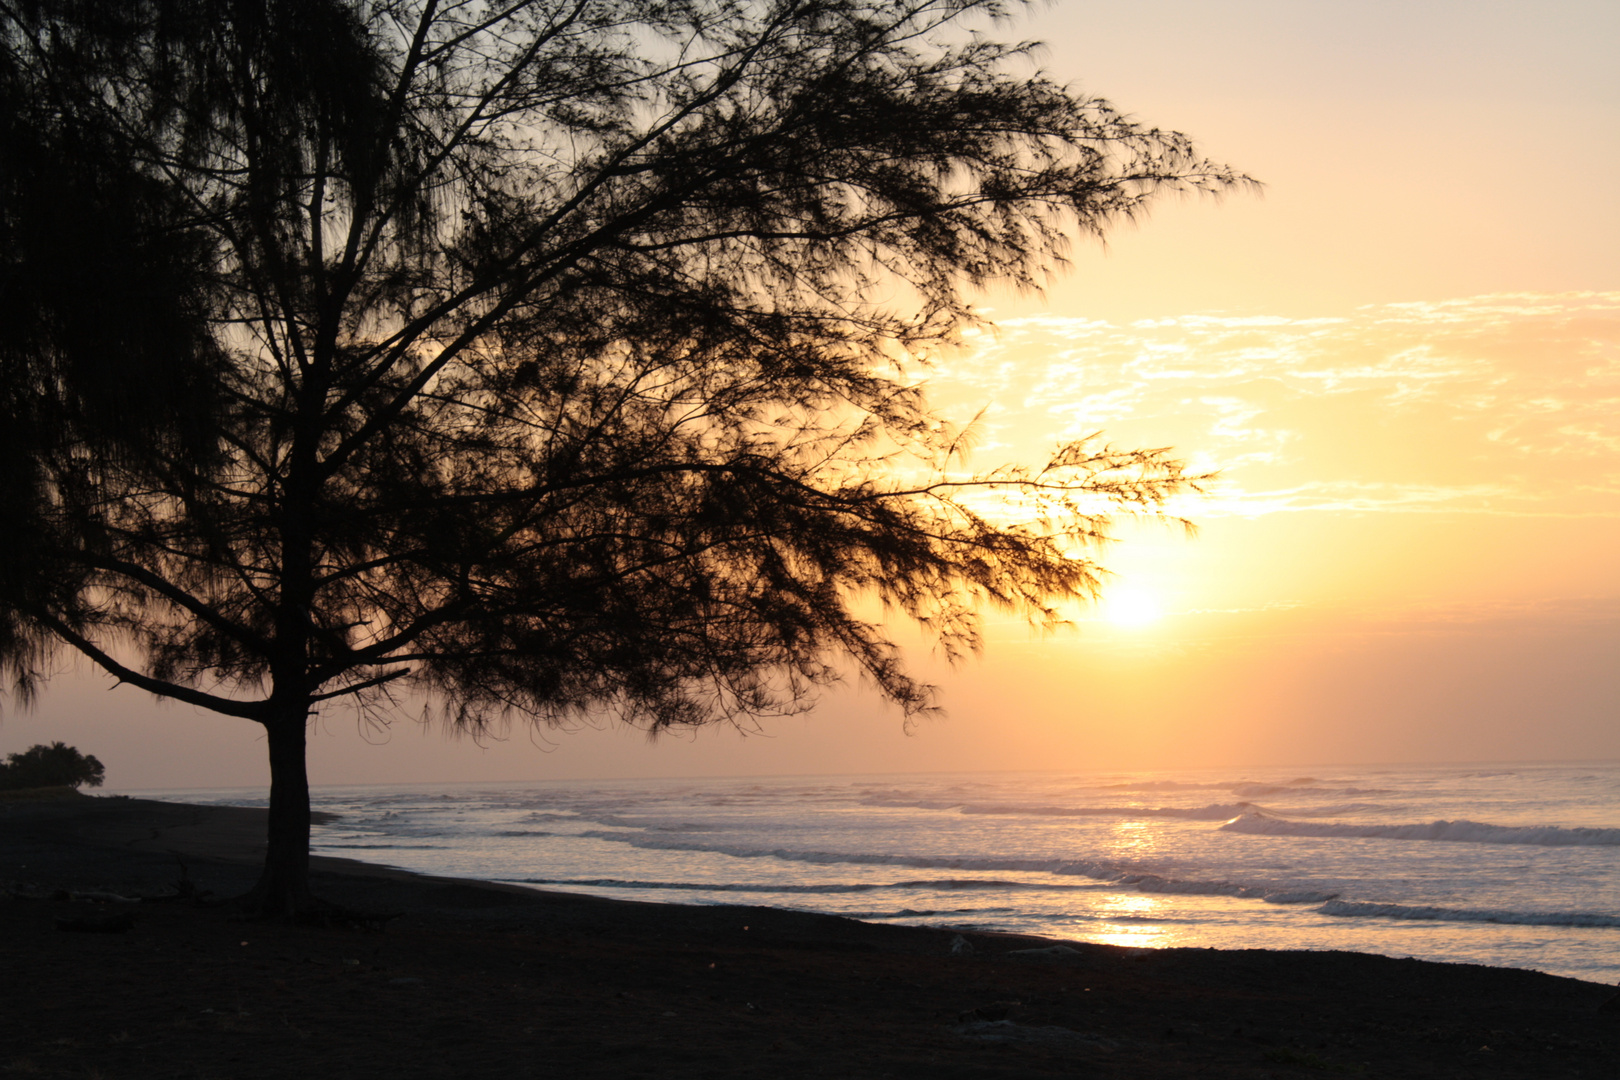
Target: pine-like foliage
<point x="569" y="350"/>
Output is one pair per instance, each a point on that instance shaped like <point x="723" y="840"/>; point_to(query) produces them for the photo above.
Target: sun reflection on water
<point x="1133" y="919"/>
<point x="1129" y="918"/>
<point x="1133" y="838"/>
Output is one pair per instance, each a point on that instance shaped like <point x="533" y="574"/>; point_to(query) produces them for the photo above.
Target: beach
<point x="475" y="979"/>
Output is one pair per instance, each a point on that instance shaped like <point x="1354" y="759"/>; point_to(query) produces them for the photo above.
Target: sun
<point x="1128" y="606"/>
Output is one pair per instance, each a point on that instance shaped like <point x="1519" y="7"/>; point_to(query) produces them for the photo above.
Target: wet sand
<point x="474" y="979"/>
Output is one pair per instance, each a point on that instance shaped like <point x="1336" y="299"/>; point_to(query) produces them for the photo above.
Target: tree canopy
<point x="56" y="765"/>
<point x="548" y="357"/>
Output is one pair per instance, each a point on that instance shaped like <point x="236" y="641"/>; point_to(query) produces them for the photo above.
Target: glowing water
<point x="1515" y="866"/>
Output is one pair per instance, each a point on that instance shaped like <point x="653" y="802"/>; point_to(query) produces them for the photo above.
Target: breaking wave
<point x="1251" y="789"/>
<point x="319" y="846"/>
<point x="1212" y="812"/>
<point x="1098" y="871"/>
<point x="1215" y="812"/>
<point x="941" y="884"/>
<point x="1516" y="918"/>
<point x="1461" y="832"/>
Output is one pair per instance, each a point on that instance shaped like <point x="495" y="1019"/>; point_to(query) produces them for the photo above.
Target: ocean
<point x="1515" y="866"/>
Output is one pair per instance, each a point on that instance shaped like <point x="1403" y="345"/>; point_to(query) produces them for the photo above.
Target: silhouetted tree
<point x="56" y="765"/>
<point x="571" y="356"/>
<point x="107" y="349"/>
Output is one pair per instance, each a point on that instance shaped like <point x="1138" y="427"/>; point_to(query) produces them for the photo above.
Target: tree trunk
<point x="283" y="888"/>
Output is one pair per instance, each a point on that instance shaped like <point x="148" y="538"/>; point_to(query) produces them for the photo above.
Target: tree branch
<point x="248" y="710"/>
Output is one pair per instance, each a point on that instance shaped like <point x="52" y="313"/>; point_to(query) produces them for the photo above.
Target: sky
<point x="1401" y="357"/>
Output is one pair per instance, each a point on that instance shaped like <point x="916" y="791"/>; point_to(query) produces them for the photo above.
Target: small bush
<point x="56" y="765"/>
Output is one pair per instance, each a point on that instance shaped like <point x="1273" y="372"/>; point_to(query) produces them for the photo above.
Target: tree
<point x="571" y="356"/>
<point x="106" y="346"/>
<point x="56" y="765"/>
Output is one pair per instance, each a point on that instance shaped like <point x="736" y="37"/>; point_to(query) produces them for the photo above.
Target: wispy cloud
<point x="1506" y="404"/>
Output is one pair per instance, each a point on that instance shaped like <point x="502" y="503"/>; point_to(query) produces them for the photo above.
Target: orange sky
<point x="1404" y="357"/>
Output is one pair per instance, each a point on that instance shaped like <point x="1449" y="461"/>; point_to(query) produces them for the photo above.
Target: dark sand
<point x="475" y="980"/>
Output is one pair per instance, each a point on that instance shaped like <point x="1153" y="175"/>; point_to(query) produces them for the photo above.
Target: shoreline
<point x="506" y="975"/>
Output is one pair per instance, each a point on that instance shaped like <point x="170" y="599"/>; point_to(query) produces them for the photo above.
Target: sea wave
<point x="319" y="846"/>
<point x="1295" y="787"/>
<point x="1207" y="785"/>
<point x="613" y="820"/>
<point x="1271" y="894"/>
<point x="1101" y="872"/>
<point x="827" y="858"/>
<point x="941" y="884"/>
<point x="1300" y="785"/>
<point x="1463" y="832"/>
<point x="890" y="801"/>
<point x="1356" y="909"/>
<point x="845" y="888"/>
<point x="1213" y="812"/>
<point x="954" y="914"/>
<point x="1335" y="810"/>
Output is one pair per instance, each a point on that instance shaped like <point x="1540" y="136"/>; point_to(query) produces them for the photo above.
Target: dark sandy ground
<point x="476" y="980"/>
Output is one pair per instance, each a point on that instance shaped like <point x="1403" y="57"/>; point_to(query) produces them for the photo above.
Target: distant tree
<point x="56" y="765"/>
<point x="570" y="355"/>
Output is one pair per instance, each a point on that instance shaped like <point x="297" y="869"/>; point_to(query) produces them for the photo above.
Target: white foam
<point x="1214" y="812"/>
<point x="1517" y="918"/>
<point x="827" y="858"/>
<point x="1099" y="871"/>
<point x="1302" y="785"/>
<point x="1463" y="832"/>
<point x="939" y="884"/>
<point x="1211" y="812"/>
<point x="1336" y="810"/>
<point x="1271" y="894"/>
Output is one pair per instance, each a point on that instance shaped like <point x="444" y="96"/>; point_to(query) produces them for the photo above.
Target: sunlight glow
<point x="1131" y="920"/>
<point x="1127" y="606"/>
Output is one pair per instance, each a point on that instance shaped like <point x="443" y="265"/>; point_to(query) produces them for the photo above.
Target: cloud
<point x="1504" y="404"/>
<point x="1359" y="498"/>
